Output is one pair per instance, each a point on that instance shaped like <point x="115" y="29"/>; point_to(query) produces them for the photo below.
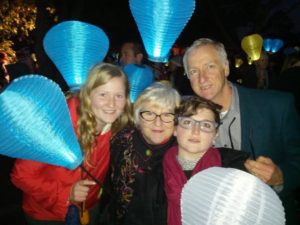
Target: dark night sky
<point x="227" y="21"/>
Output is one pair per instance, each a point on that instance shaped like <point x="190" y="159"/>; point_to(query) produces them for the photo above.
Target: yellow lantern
<point x="252" y="45"/>
<point x="238" y="62"/>
<point x="250" y="61"/>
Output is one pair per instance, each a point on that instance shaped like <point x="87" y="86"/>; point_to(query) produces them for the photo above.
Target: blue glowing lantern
<point x="160" y="22"/>
<point x="277" y="44"/>
<point x="140" y="77"/>
<point x="267" y="44"/>
<point x="36" y="124"/>
<point x="272" y="45"/>
<point x="74" y="47"/>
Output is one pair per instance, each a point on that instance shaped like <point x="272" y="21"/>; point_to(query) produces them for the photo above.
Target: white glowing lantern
<point x="226" y="196"/>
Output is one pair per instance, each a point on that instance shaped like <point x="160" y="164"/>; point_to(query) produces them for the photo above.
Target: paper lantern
<point x="252" y="45"/>
<point x="74" y="47"/>
<point x="277" y="44"/>
<point x="160" y="22"/>
<point x="140" y="77"/>
<point x="267" y="44"/>
<point x="272" y="45"/>
<point x="35" y="123"/>
<point x="250" y="61"/>
<point x="238" y="62"/>
<point x="229" y="196"/>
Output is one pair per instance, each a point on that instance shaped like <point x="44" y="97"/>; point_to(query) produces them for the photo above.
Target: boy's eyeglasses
<point x="204" y="125"/>
<point x="151" y="116"/>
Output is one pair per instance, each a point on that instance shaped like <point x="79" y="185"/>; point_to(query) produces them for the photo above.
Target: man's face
<point x="128" y="56"/>
<point x="207" y="72"/>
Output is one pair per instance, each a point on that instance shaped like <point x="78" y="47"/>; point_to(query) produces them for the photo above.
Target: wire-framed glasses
<point x="151" y="116"/>
<point x="204" y="125"/>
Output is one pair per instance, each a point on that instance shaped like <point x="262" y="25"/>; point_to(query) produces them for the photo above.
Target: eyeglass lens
<point x="204" y="125"/>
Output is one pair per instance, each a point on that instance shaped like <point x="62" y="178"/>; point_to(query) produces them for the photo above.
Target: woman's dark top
<point x="136" y="181"/>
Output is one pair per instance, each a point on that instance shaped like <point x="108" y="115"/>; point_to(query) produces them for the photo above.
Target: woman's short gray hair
<point x="202" y="42"/>
<point x="158" y="93"/>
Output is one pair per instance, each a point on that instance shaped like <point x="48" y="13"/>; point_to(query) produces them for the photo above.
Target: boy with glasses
<point x="197" y="121"/>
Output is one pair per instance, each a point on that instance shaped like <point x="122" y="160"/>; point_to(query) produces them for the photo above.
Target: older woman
<point x="136" y="160"/>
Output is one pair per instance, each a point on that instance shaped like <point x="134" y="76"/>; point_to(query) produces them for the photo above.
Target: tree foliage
<point x="18" y="20"/>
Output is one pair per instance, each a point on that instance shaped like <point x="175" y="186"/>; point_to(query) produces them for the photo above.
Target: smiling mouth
<point x="157" y="131"/>
<point x="204" y="88"/>
<point x="194" y="140"/>
<point x="109" y="112"/>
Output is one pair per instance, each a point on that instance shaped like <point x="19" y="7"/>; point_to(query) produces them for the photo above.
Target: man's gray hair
<point x="202" y="42"/>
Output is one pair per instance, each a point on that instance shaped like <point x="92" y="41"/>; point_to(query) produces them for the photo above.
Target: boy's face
<point x="193" y="142"/>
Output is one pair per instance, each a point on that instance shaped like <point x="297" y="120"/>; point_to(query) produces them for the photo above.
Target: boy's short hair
<point x="189" y="106"/>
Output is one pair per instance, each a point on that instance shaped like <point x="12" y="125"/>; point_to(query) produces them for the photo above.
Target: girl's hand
<point x="80" y="190"/>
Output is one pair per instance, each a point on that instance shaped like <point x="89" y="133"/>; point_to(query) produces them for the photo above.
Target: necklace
<point x="187" y="164"/>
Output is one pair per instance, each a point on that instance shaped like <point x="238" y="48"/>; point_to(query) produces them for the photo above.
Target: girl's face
<point x="108" y="101"/>
<point x="157" y="131"/>
<point x="195" y="138"/>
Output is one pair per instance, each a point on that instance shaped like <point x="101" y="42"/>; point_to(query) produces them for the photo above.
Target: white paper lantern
<point x="226" y="196"/>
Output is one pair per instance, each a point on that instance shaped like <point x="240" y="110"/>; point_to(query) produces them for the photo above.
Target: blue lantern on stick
<point x="160" y="22"/>
<point x="74" y="47"/>
<point x="140" y="77"/>
<point x="272" y="45"/>
<point x="36" y="124"/>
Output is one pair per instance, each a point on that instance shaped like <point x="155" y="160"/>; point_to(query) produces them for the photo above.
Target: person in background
<point x="176" y="75"/>
<point x="100" y="110"/>
<point x="264" y="123"/>
<point x="136" y="160"/>
<point x="262" y="73"/>
<point x="197" y="121"/>
<point x="132" y="53"/>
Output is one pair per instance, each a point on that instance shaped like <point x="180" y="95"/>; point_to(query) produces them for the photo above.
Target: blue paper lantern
<point x="267" y="44"/>
<point x="74" y="47"/>
<point x="272" y="45"/>
<point x="35" y="123"/>
<point x="160" y="22"/>
<point x="277" y="44"/>
<point x="140" y="77"/>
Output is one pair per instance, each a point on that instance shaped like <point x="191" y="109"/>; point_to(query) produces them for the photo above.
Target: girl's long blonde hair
<point x="99" y="75"/>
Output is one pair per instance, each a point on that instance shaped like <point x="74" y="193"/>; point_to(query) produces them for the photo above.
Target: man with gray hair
<point x="264" y="123"/>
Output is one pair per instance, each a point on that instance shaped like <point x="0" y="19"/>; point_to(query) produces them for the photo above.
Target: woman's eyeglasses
<point x="204" y="125"/>
<point x="151" y="116"/>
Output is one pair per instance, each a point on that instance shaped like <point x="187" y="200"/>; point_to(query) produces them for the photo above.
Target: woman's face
<point x="156" y="132"/>
<point x="108" y="101"/>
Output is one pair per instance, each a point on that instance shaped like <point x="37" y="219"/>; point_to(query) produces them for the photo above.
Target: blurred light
<point x="252" y="45"/>
<point x="250" y="61"/>
<point x="238" y="62"/>
<point x="272" y="45"/>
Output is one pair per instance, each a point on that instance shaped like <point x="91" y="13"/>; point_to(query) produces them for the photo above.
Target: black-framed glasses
<point x="151" y="116"/>
<point x="204" y="125"/>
